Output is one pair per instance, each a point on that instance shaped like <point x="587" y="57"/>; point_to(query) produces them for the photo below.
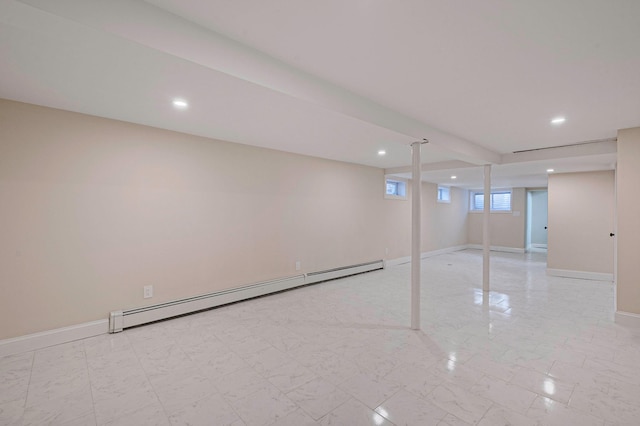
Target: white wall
<point x="581" y="210"/>
<point x="94" y="209"/>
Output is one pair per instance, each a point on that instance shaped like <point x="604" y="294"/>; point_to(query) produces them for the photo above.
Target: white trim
<point x="427" y="254"/>
<point x="424" y="255"/>
<point x="438" y="194"/>
<point x="583" y="275"/>
<point x="628" y="319"/>
<point x="537" y="250"/>
<point x="497" y="248"/>
<point x="539" y="246"/>
<point x="403" y="181"/>
<point x="397" y="261"/>
<point x="473" y="192"/>
<point x="492" y="211"/>
<point x="31" y="342"/>
<point x="615" y="241"/>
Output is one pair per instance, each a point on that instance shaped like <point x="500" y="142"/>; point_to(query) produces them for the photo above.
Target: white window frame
<point x="473" y="193"/>
<point x="442" y="200"/>
<point x="404" y="183"/>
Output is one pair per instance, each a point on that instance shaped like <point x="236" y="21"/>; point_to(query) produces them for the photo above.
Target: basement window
<point x="395" y="189"/>
<point x="444" y="194"/>
<point x="500" y="201"/>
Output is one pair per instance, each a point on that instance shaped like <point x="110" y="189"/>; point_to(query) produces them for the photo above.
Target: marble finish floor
<point x="537" y="350"/>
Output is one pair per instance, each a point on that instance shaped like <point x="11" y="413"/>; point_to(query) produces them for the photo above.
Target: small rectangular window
<point x="477" y="203"/>
<point x="500" y="201"/>
<point x="444" y="194"/>
<point x="392" y="187"/>
<point x="395" y="188"/>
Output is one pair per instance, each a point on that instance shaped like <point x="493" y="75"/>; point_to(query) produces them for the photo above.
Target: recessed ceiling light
<point x="180" y="104"/>
<point x="550" y="170"/>
<point x="382" y="152"/>
<point x="558" y="120"/>
<point x="454" y="177"/>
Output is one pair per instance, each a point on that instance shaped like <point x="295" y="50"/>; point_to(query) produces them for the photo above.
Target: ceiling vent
<point x="568" y="145"/>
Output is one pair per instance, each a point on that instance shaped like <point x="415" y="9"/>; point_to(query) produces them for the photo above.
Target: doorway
<point x="536" y="223"/>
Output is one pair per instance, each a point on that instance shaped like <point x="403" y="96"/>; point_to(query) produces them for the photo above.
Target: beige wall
<point x="581" y="210"/>
<point x="444" y="224"/>
<point x="94" y="209"/>
<point x="506" y="229"/>
<point x="628" y="211"/>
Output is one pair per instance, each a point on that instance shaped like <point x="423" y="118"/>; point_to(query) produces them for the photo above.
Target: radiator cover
<point x="119" y="320"/>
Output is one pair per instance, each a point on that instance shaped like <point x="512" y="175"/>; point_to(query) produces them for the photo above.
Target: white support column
<point x="486" y="244"/>
<point x="415" y="235"/>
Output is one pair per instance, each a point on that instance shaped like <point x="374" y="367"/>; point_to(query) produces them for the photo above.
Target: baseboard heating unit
<point x="119" y="320"/>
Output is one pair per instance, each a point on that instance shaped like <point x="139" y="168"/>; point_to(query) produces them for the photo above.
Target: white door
<point x="539" y="207"/>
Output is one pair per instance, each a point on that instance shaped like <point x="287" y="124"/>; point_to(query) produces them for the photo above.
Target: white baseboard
<point x="143" y="315"/>
<point x="497" y="248"/>
<point x="542" y="246"/>
<point x="423" y="255"/>
<point x="397" y="261"/>
<point x="583" y="275"/>
<point x="31" y="342"/>
<point x="536" y="250"/>
<point x="427" y="254"/>
<point x="627" y="319"/>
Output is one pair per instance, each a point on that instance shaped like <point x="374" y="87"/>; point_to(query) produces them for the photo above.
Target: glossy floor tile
<point x="536" y="350"/>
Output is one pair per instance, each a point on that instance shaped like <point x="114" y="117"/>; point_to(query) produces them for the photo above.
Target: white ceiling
<point x="342" y="80"/>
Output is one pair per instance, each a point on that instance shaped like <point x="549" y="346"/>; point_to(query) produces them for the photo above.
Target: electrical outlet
<point x="298" y="265"/>
<point x="148" y="291"/>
